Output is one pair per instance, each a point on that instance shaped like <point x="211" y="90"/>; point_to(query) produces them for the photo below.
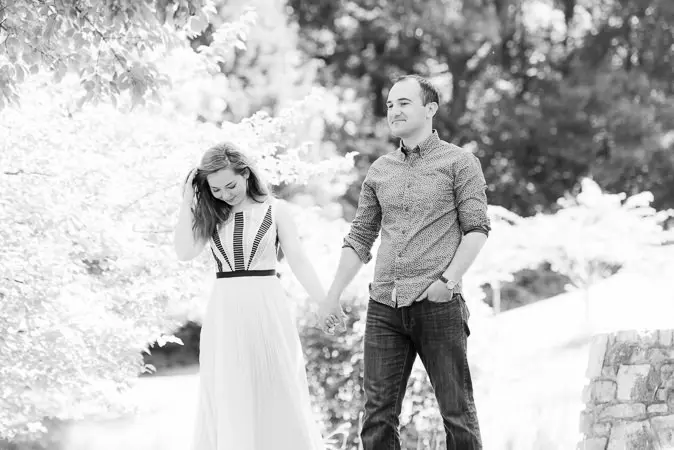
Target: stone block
<point x="660" y="355"/>
<point x="633" y="382"/>
<point x="601" y="429"/>
<point x="670" y="400"/>
<point x="586" y="397"/>
<point x="586" y="422"/>
<point x="598" y="443"/>
<point x="663" y="427"/>
<point x="657" y="408"/>
<point x="623" y="411"/>
<point x="639" y="355"/>
<point x="632" y="436"/>
<point x="667" y="372"/>
<point x="621" y="353"/>
<point x="661" y="395"/>
<point x="649" y="337"/>
<point x="609" y="372"/>
<point x="604" y="391"/>
<point x="666" y="338"/>
<point x="598" y="348"/>
<point x="627" y="336"/>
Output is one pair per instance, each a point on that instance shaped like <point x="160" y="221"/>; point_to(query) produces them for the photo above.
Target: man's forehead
<point x="408" y="89"/>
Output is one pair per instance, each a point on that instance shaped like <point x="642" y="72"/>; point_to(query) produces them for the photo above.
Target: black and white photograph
<point x="336" y="225"/>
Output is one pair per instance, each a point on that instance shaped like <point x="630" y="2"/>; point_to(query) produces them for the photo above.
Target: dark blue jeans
<point x="437" y="332"/>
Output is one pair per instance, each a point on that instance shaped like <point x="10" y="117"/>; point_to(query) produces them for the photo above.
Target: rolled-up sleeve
<point x="367" y="223"/>
<point x="470" y="192"/>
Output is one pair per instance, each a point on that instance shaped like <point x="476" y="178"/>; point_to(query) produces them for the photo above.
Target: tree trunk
<point x="496" y="296"/>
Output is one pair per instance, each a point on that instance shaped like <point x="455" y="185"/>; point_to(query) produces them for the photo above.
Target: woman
<point x="253" y="392"/>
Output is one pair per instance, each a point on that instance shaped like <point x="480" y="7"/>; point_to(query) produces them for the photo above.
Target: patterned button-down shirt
<point x="423" y="200"/>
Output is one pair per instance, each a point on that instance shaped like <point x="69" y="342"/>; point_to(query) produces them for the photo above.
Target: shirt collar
<point x="423" y="147"/>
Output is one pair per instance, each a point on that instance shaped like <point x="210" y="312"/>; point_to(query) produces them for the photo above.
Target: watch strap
<point x="449" y="284"/>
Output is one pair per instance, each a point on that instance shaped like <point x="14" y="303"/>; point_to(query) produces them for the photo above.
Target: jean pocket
<point x="465" y="312"/>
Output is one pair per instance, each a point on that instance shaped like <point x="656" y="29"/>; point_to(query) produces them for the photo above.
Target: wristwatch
<point x="450" y="284"/>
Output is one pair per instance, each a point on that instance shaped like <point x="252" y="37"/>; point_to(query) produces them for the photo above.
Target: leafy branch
<point x="21" y="171"/>
<point x="149" y="231"/>
<point x="144" y="196"/>
<point x="13" y="279"/>
<point x="97" y="32"/>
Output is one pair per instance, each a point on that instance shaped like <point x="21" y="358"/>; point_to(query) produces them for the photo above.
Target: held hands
<point x="437" y="293"/>
<point x="331" y="315"/>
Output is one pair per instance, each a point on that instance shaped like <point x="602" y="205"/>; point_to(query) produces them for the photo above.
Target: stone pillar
<point x="629" y="400"/>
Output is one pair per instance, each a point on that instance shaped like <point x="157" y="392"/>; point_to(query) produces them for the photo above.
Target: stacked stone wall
<point x="629" y="400"/>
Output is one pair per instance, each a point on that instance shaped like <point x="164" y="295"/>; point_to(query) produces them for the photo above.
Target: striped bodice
<point x="247" y="241"/>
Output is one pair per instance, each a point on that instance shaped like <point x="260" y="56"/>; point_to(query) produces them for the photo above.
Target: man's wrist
<point x="450" y="284"/>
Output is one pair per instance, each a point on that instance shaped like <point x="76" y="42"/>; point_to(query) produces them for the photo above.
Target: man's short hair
<point x="429" y="93"/>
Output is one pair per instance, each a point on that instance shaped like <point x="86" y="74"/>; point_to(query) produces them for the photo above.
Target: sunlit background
<point x="106" y="105"/>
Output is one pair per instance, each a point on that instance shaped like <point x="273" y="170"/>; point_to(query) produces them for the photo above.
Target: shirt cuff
<point x="364" y="255"/>
<point x="478" y="229"/>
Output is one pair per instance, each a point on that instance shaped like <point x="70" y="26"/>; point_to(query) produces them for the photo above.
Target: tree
<point x="364" y="45"/>
<point x="88" y="274"/>
<point x="266" y="74"/>
<point x="506" y="252"/>
<point x="595" y="234"/>
<point x="89" y="278"/>
<point x="113" y="46"/>
<point x="547" y="92"/>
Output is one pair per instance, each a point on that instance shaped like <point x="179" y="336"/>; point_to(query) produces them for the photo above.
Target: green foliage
<point x="335" y="368"/>
<point x="528" y="286"/>
<point x="544" y="93"/>
<point x="506" y="251"/>
<point x="595" y="232"/>
<point x="113" y="260"/>
<point x="542" y="103"/>
<point x="592" y="235"/>
<point x="113" y="46"/>
<point x="173" y="354"/>
<point x="89" y="277"/>
<point x="265" y="71"/>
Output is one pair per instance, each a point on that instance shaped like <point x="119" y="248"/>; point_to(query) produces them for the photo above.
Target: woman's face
<point x="228" y="186"/>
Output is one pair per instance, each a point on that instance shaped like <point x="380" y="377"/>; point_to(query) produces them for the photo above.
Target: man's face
<point x="406" y="111"/>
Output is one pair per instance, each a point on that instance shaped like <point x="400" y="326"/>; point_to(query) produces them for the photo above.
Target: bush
<point x="88" y="273"/>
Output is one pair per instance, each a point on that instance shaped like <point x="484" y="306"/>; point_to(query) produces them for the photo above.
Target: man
<point x="428" y="200"/>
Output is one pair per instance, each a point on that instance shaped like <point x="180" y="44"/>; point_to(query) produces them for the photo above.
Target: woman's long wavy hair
<point x="209" y="212"/>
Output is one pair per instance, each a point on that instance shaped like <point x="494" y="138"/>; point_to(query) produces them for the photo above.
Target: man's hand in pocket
<point x="437" y="293"/>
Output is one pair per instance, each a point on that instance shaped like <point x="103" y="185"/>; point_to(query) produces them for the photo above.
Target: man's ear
<point x="431" y="109"/>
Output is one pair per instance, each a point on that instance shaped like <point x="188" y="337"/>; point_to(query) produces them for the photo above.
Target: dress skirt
<point x="253" y="390"/>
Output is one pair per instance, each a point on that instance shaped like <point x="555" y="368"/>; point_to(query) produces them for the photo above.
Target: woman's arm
<point x="184" y="242"/>
<point x="297" y="258"/>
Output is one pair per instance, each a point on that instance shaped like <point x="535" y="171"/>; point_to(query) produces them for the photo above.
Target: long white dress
<point x="253" y="390"/>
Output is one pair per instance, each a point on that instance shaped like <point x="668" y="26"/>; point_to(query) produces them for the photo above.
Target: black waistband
<point x="246" y="273"/>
